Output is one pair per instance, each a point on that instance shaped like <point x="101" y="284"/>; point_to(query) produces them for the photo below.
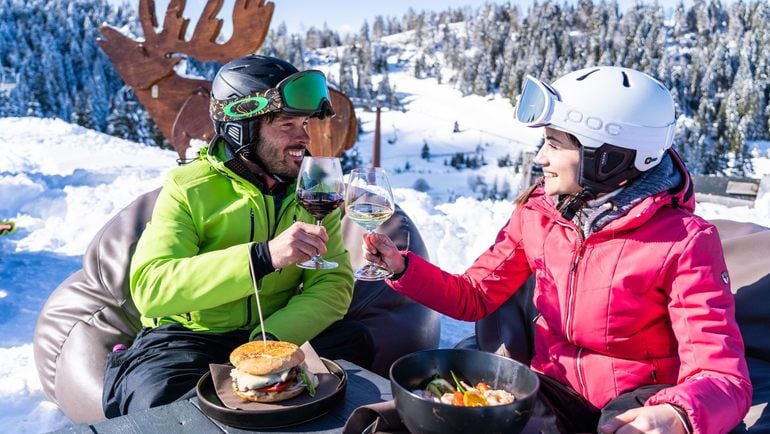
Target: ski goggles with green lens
<point x="539" y="105"/>
<point x="303" y="93"/>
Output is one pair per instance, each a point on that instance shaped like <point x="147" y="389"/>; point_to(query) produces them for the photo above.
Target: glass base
<point x="317" y="263"/>
<point x="372" y="272"/>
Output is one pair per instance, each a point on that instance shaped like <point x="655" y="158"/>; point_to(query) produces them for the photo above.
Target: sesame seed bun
<point x="263" y="358"/>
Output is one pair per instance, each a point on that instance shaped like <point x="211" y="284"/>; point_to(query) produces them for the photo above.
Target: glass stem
<point x="317" y="257"/>
<point x="370" y="265"/>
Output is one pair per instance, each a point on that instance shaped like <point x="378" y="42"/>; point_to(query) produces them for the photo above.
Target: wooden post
<point x="526" y="170"/>
<point x="376" y="147"/>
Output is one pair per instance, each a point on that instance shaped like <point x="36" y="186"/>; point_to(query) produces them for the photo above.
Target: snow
<point x="61" y="183"/>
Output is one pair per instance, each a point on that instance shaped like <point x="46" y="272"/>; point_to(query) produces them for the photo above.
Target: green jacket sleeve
<point x="167" y="266"/>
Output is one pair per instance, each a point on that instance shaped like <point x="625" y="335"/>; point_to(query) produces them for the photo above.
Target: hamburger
<point x="270" y="371"/>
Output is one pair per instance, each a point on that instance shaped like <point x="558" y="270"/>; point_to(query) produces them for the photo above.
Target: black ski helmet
<point x="249" y="74"/>
<point x="239" y="79"/>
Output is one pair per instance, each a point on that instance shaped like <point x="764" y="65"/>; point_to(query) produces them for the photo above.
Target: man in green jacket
<point x="225" y="230"/>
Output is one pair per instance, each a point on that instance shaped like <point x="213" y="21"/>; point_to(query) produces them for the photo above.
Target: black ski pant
<point x="559" y="409"/>
<point x="164" y="364"/>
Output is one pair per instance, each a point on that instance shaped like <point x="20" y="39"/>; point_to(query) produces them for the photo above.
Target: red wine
<point x="319" y="204"/>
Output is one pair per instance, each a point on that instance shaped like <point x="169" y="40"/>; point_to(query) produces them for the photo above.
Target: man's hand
<point x="379" y="249"/>
<point x="299" y="243"/>
<point x="654" y="419"/>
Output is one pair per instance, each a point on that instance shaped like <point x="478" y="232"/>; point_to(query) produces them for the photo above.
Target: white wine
<point x="369" y="215"/>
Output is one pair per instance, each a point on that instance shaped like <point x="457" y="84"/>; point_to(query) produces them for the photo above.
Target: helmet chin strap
<point x="602" y="170"/>
<point x="240" y="138"/>
<point x="576" y="202"/>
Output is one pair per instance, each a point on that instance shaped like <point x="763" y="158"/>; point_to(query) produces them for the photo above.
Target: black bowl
<point x="420" y="415"/>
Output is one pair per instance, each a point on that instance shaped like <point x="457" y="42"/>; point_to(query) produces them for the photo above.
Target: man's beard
<point x="273" y="160"/>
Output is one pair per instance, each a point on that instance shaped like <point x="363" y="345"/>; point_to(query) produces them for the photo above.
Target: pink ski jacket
<point x="644" y="300"/>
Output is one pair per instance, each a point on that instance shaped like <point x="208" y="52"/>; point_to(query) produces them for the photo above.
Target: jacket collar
<point x="222" y="159"/>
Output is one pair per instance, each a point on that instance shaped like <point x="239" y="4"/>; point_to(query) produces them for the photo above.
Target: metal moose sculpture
<point x="179" y="105"/>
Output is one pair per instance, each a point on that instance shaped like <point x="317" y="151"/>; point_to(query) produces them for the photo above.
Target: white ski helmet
<point x="623" y="118"/>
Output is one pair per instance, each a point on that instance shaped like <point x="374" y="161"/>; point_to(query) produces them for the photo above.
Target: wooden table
<point x="364" y="387"/>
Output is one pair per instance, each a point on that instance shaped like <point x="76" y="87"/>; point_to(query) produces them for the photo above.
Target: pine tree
<point x="128" y="120"/>
<point x="296" y="55"/>
<point x="712" y="56"/>
<point x="346" y="83"/>
<point x="378" y="28"/>
<point x="313" y="39"/>
<point x="363" y="62"/>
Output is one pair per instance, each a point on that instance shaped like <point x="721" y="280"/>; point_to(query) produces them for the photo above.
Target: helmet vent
<point x="234" y="133"/>
<point x="625" y="79"/>
<point x="584" y="76"/>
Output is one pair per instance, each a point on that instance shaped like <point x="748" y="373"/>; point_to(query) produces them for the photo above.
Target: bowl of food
<point x="451" y="391"/>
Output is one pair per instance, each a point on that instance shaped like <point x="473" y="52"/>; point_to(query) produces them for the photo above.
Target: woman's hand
<point x="381" y="250"/>
<point x="655" y="419"/>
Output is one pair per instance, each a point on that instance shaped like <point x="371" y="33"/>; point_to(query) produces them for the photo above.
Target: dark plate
<point x="212" y="406"/>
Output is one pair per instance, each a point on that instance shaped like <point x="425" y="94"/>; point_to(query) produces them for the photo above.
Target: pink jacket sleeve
<point x="713" y="386"/>
<point x="487" y="284"/>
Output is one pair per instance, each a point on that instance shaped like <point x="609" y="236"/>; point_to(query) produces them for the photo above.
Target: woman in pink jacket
<point x="636" y="331"/>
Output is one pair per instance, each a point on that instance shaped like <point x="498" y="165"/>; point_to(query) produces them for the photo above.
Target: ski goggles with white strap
<point x="303" y="93"/>
<point x="540" y="105"/>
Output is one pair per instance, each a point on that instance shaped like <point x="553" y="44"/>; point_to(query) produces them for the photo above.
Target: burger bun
<point x="266" y="357"/>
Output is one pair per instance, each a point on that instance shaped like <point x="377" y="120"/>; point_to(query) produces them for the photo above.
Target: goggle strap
<point x="249" y="106"/>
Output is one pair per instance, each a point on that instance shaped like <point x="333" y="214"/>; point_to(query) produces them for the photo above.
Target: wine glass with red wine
<point x="320" y="190"/>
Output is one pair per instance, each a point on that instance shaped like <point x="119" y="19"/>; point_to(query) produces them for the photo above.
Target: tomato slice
<point x="277" y="387"/>
<point x="458" y="398"/>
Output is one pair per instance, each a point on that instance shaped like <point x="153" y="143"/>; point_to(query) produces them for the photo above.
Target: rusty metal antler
<point x="179" y="105"/>
<point x="250" y="17"/>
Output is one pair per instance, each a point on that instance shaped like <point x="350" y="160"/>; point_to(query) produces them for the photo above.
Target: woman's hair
<point x="524" y="196"/>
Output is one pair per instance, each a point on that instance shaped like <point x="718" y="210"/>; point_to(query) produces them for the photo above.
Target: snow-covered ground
<point x="61" y="183"/>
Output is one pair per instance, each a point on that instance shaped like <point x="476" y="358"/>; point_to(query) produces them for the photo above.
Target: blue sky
<point x="350" y="15"/>
<point x="346" y="15"/>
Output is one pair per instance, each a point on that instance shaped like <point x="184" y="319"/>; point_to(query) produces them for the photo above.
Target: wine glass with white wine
<point x="320" y="190"/>
<point x="369" y="202"/>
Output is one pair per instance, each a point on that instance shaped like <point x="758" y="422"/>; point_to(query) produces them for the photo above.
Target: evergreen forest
<point x="713" y="56"/>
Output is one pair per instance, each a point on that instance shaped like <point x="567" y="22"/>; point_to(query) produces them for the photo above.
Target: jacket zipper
<point x="571" y="320"/>
<point x="252" y="228"/>
<point x="251" y="239"/>
<point x="248" y="309"/>
<point x="581" y="378"/>
<point x="568" y="326"/>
